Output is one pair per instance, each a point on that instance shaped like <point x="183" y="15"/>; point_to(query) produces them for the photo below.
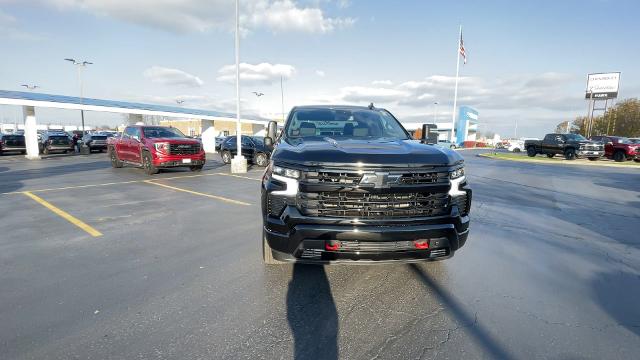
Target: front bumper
<point x="590" y="153"/>
<point x="298" y="238"/>
<point x="178" y="161"/>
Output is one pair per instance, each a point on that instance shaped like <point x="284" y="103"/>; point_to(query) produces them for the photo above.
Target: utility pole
<point x="282" y="97"/>
<point x="435" y="112"/>
<point x="455" y="93"/>
<point x="80" y="65"/>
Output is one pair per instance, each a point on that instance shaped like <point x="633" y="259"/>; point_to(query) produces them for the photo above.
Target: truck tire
<point x="267" y="253"/>
<point x="147" y="164"/>
<point x="261" y="160"/>
<point x="570" y="154"/>
<point x="619" y="156"/>
<point x="115" y="162"/>
<point x="551" y="155"/>
<point x="226" y="157"/>
<point x="531" y="151"/>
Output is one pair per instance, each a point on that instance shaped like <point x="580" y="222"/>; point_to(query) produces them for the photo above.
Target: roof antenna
<point x="371" y="107"/>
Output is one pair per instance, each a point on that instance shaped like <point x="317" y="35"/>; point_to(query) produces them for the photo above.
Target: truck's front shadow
<point x="312" y="314"/>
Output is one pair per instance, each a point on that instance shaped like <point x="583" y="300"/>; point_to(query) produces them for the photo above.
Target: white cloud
<point x="359" y="94"/>
<point x="285" y="15"/>
<point x="259" y="73"/>
<point x="538" y="101"/>
<point x="320" y="73"/>
<point x="9" y="28"/>
<point x="168" y="76"/>
<point x="203" y="15"/>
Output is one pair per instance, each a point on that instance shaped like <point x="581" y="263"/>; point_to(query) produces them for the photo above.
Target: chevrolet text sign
<point x="603" y="85"/>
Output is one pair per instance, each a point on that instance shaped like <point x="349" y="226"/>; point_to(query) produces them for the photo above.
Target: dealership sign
<point x="602" y="85"/>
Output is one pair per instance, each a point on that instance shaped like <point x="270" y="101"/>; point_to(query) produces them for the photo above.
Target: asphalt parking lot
<point x="109" y="263"/>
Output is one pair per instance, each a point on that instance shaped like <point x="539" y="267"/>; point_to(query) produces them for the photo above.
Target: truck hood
<point x="174" y="140"/>
<point x="379" y="152"/>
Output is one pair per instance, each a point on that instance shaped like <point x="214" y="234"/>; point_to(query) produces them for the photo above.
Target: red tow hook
<point x="332" y="245"/>
<point x="421" y="244"/>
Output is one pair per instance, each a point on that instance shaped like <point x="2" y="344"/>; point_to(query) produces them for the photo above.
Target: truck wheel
<point x="115" y="162"/>
<point x="267" y="253"/>
<point x="619" y="156"/>
<point x="147" y="163"/>
<point x="570" y="154"/>
<point x="516" y="150"/>
<point x="593" y="158"/>
<point x="196" y="167"/>
<point x="531" y="151"/>
<point x="550" y="155"/>
<point x="226" y="157"/>
<point x="261" y="159"/>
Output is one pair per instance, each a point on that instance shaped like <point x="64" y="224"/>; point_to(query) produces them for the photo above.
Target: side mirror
<point x="272" y="128"/>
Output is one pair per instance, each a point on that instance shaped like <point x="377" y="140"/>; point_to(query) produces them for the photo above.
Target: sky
<point x="527" y="62"/>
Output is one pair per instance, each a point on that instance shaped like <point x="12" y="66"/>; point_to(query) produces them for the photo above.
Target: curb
<point x="564" y="162"/>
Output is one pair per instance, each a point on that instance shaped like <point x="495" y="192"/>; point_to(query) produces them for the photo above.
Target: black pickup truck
<point x="348" y="184"/>
<point x="571" y="146"/>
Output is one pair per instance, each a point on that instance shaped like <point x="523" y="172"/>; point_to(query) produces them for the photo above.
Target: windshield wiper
<point x="331" y="141"/>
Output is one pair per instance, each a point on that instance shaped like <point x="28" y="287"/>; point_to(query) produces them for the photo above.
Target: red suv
<point x="155" y="147"/>
<point x="618" y="148"/>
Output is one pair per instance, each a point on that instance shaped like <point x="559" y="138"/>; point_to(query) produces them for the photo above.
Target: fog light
<point x="332" y="245"/>
<point x="421" y="244"/>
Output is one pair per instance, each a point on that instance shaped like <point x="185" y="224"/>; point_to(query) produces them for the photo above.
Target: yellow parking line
<point x="239" y="176"/>
<point x="199" y="193"/>
<point x="63" y="214"/>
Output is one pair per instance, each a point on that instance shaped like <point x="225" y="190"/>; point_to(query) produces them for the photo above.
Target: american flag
<point x="462" y="51"/>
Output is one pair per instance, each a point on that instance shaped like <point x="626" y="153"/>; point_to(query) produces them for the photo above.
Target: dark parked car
<point x="12" y="142"/>
<point x="570" y="146"/>
<point x="618" y="148"/>
<point x="366" y="193"/>
<point x="253" y="149"/>
<point x="219" y="141"/>
<point x="92" y="142"/>
<point x="55" y="141"/>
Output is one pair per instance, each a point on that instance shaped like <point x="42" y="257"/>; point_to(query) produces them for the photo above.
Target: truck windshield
<point x="162" y="132"/>
<point x="343" y="124"/>
<point x="575" y="137"/>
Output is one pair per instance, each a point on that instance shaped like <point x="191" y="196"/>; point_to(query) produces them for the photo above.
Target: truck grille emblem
<point x="380" y="180"/>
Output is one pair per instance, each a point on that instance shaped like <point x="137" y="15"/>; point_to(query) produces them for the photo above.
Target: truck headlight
<point x="162" y="147"/>
<point x="290" y="173"/>
<point x="457" y="173"/>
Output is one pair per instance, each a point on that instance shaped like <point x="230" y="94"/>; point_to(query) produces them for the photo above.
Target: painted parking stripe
<point x="199" y="193"/>
<point x="65" y="215"/>
<point x="238" y="176"/>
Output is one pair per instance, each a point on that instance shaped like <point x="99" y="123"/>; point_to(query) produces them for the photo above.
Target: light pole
<point x="30" y="87"/>
<point x="435" y="112"/>
<point x="80" y="65"/>
<point x="238" y="163"/>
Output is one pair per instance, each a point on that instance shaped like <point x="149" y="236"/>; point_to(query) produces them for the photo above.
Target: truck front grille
<point x="333" y="177"/>
<point x="373" y="206"/>
<point x="184" y="149"/>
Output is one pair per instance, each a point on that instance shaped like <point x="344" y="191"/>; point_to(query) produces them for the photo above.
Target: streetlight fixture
<point x="179" y="102"/>
<point x="80" y="65"/>
<point x="30" y="87"/>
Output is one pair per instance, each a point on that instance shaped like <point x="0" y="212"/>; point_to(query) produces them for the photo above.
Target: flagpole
<point x="455" y="92"/>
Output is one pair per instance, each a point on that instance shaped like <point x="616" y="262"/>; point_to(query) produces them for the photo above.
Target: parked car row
<point x="573" y="146"/>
